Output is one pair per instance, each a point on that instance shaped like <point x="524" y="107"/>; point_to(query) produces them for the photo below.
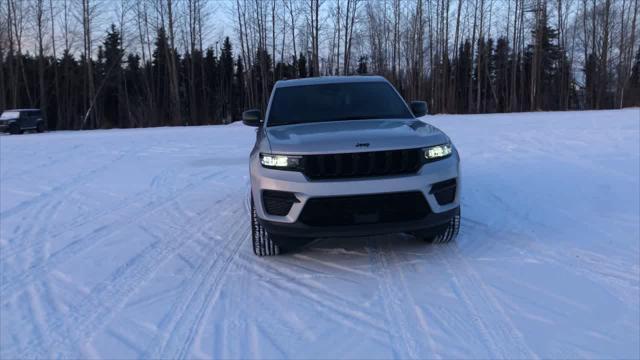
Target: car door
<point x="36" y="117"/>
<point x="30" y="119"/>
<point x="24" y="119"/>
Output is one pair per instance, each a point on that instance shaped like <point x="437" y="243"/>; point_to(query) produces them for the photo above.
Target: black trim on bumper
<point x="363" y="209"/>
<point x="301" y="230"/>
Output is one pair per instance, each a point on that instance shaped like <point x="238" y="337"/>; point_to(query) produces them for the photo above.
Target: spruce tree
<point x="226" y="77"/>
<point x="632" y="92"/>
<point x="501" y="73"/>
<point x="160" y="73"/>
<point x="548" y="75"/>
<point x="302" y="66"/>
<point x="110" y="93"/>
<point x="362" y="65"/>
<point x="239" y="85"/>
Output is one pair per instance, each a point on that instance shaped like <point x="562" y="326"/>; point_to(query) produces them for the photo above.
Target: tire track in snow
<point x="418" y="315"/>
<point x="212" y="294"/>
<point x="403" y="344"/>
<point x="43" y="206"/>
<point x="83" y="218"/>
<point x="35" y="232"/>
<point x="108" y="297"/>
<point x="65" y="195"/>
<point x="610" y="273"/>
<point x="182" y="302"/>
<point x="188" y="310"/>
<point x="502" y="337"/>
<point x="328" y="304"/>
<point x="38" y="168"/>
<point x="84" y="242"/>
<point x="605" y="271"/>
<point x="332" y="305"/>
<point x="57" y="189"/>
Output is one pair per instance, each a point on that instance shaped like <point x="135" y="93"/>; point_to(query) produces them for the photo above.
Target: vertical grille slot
<point x="363" y="164"/>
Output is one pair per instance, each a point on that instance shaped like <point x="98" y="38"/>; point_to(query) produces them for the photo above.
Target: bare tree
<point x="290" y="5"/>
<point x="173" y="69"/>
<point x="628" y="58"/>
<point x="604" y="57"/>
<point x="55" y="67"/>
<point x="3" y="42"/>
<point x="350" y="16"/>
<point x="39" y="13"/>
<point x="314" y="16"/>
<point x="18" y="13"/>
<point x="90" y="119"/>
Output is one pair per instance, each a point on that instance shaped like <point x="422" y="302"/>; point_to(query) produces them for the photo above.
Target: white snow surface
<point x="136" y="244"/>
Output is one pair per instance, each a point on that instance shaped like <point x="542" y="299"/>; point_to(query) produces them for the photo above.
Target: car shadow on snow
<point x="348" y="251"/>
<point x="475" y="241"/>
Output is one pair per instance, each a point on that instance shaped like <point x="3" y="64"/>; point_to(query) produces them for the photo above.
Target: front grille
<point x="365" y="209"/>
<point x="363" y="164"/>
<point x="278" y="202"/>
<point x="444" y="191"/>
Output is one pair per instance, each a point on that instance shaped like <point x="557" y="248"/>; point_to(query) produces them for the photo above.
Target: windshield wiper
<point x="355" y="118"/>
<point x="328" y="120"/>
<point x="284" y="123"/>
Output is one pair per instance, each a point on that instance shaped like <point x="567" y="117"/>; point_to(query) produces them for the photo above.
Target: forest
<point x="92" y="64"/>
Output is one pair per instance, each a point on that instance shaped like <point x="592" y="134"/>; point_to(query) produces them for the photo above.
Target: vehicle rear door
<point x="28" y="120"/>
<point x="36" y="117"/>
<point x="24" y="120"/>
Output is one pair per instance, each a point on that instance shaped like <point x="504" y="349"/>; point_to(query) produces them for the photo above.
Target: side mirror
<point x="252" y="118"/>
<point x="419" y="108"/>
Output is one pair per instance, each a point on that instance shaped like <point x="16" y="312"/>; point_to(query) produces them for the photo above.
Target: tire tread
<point x="263" y="245"/>
<point x="450" y="233"/>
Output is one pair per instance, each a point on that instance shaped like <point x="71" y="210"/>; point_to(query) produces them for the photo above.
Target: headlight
<point x="282" y="162"/>
<point x="437" y="152"/>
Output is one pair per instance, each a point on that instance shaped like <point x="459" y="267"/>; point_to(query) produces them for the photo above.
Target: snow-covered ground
<point x="136" y="244"/>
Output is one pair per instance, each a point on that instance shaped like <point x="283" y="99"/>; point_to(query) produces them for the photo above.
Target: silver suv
<point x="344" y="157"/>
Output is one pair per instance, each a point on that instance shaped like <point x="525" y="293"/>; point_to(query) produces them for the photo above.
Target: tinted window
<point x="333" y="102"/>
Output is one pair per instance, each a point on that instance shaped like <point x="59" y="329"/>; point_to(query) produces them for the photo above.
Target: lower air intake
<point x="278" y="202"/>
<point x="444" y="191"/>
<point x="365" y="209"/>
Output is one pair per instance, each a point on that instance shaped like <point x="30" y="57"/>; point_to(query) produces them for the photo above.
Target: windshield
<point x="10" y="115"/>
<point x="334" y="102"/>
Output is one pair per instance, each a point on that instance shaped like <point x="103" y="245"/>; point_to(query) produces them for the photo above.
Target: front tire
<point x="446" y="234"/>
<point x="40" y="127"/>
<point x="14" y="129"/>
<point x="263" y="244"/>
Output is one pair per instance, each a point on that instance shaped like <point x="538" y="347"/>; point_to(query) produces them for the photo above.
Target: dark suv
<point x="18" y="120"/>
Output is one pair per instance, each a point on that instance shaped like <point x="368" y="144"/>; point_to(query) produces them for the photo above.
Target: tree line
<point x="154" y="67"/>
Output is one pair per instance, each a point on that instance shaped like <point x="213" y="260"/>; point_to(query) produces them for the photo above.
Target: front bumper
<point x="4" y="127"/>
<point x="297" y="183"/>
<point x="300" y="230"/>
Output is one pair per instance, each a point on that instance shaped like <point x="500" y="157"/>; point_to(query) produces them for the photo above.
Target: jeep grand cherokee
<point x="346" y="156"/>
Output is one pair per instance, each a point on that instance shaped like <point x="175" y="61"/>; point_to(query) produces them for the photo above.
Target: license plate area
<point x="364" y="209"/>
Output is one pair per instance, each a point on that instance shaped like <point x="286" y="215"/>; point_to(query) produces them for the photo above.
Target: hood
<point x="351" y="136"/>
